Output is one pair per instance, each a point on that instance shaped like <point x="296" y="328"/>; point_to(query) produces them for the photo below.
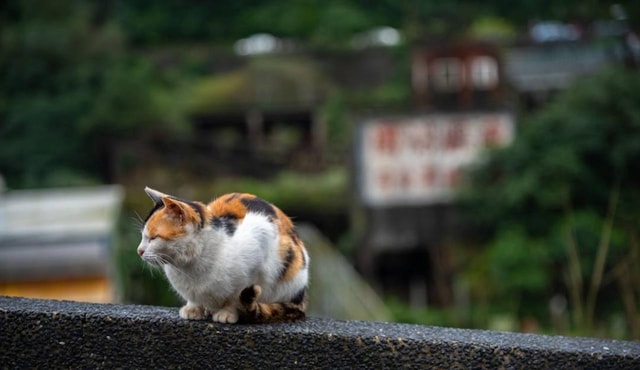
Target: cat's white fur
<point x="209" y="269"/>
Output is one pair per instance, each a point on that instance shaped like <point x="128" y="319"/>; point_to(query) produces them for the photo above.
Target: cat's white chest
<point x="201" y="288"/>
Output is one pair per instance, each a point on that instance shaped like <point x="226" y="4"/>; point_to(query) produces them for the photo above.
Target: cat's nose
<point x="140" y="251"/>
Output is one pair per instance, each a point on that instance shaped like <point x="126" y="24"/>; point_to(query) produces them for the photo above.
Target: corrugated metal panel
<point x="57" y="233"/>
<point x="553" y="66"/>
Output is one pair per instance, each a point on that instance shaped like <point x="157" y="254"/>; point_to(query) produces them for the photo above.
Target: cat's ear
<point x="174" y="209"/>
<point x="155" y="195"/>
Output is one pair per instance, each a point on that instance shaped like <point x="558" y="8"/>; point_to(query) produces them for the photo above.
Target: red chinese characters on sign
<point x="455" y="136"/>
<point x="393" y="179"/>
<point x="386" y="140"/>
<point x="419" y="160"/>
<point x="385" y="180"/>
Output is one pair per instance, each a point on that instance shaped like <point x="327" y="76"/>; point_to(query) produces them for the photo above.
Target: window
<point x="484" y="73"/>
<point x="448" y="74"/>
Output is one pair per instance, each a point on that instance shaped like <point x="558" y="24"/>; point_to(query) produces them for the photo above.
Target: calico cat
<point x="237" y="258"/>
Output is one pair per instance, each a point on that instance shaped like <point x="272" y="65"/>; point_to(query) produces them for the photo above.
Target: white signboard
<point x="417" y="161"/>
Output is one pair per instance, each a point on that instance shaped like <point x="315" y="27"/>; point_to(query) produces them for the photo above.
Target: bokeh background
<point x="328" y="109"/>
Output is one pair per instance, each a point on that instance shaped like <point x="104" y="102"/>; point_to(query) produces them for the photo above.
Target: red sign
<point x="417" y="161"/>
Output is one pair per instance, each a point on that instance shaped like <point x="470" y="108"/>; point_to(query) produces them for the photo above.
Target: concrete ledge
<point x="54" y="334"/>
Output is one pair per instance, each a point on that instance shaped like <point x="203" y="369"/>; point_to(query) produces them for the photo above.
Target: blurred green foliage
<point x="323" y="192"/>
<point x="319" y="22"/>
<point x="76" y="76"/>
<point x="331" y="23"/>
<point x="67" y="90"/>
<point x="561" y="205"/>
<point x="326" y="191"/>
<point x="264" y="82"/>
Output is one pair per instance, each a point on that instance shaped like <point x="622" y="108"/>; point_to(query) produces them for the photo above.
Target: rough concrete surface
<point x="55" y="334"/>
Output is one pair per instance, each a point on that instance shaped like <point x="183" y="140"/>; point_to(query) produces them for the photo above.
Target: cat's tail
<point x="255" y="312"/>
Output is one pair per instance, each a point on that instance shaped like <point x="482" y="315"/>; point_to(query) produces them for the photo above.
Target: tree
<point x="67" y="90"/>
<point x="561" y="203"/>
<point x="330" y="23"/>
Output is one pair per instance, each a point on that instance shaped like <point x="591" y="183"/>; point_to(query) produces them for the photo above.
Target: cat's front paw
<point x="226" y="316"/>
<point x="191" y="312"/>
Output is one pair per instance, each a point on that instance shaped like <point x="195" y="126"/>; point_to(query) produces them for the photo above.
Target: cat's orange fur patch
<point x="230" y="205"/>
<point x="162" y="225"/>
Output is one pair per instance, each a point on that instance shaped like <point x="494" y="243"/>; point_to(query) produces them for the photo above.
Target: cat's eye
<point x="153" y="237"/>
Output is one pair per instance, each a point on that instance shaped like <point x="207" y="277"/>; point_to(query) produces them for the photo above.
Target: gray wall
<point x="52" y="334"/>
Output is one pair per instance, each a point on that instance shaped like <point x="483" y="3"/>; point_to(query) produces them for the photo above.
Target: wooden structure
<point x="454" y="76"/>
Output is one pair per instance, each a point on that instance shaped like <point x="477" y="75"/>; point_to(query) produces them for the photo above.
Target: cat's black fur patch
<point x="286" y="263"/>
<point x="228" y="223"/>
<point x="259" y="206"/>
<point x="294" y="236"/>
<point x="299" y="297"/>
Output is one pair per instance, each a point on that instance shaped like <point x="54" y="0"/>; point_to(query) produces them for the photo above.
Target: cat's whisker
<point x="138" y="217"/>
<point x="165" y="260"/>
<point x="149" y="267"/>
<point x="153" y="270"/>
<point x="137" y="221"/>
